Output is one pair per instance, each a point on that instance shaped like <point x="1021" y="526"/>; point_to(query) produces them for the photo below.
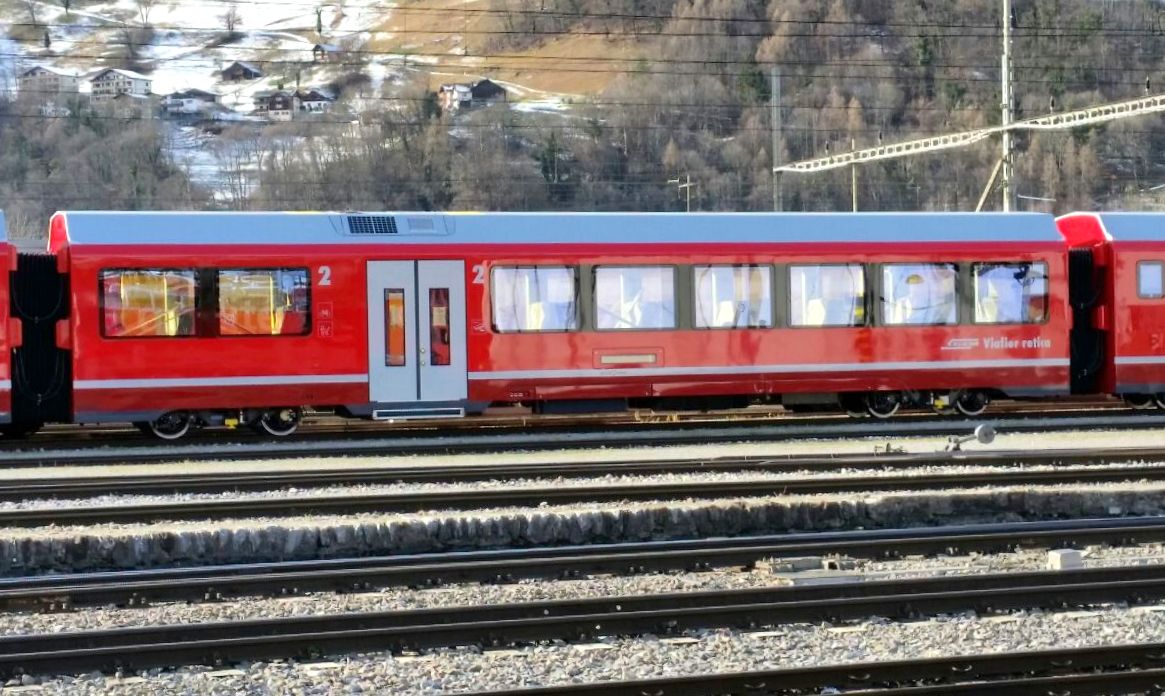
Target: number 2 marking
<point x="479" y="274"/>
<point x="325" y="275"/>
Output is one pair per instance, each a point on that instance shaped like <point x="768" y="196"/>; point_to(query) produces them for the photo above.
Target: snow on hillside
<point x="188" y="48"/>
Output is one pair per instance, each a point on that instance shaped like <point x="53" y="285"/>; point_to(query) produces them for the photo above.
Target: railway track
<point x="145" y="647"/>
<point x="140" y="588"/>
<point x="1097" y="671"/>
<point x="81" y="486"/>
<point x="377" y="442"/>
<point x="409" y="502"/>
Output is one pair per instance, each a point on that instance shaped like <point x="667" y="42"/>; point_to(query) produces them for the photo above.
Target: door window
<point x="394" y="327"/>
<point x="439" y="327"/>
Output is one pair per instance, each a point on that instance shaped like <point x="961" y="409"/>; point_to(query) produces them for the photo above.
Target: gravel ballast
<point x="452" y="671"/>
<point x="472" y="595"/>
<point x="47" y="549"/>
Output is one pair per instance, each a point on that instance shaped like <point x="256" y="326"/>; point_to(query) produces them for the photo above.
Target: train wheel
<point x="972" y="403"/>
<point x="1140" y="402"/>
<point x="883" y="404"/>
<point x="170" y="426"/>
<point x="279" y="422"/>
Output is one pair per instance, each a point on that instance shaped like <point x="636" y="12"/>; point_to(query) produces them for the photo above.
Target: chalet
<point x="315" y="100"/>
<point x="239" y="71"/>
<point x="44" y="80"/>
<point x="454" y="97"/>
<point x="135" y="106"/>
<point x="281" y="106"/>
<point x="111" y="82"/>
<point x="190" y="101"/>
<point x="323" y="53"/>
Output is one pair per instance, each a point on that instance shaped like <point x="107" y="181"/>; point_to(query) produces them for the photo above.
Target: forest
<point x="694" y="106"/>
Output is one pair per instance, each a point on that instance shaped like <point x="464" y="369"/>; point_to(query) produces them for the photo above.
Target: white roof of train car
<point x="170" y="228"/>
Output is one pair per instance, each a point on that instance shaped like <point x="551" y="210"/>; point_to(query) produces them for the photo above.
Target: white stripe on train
<point x="276" y="380"/>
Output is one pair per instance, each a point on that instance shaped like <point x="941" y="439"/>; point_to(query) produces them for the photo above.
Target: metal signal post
<point x="1007" y="105"/>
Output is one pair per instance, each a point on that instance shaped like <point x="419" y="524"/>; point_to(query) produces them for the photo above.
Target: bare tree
<point x="144" y="9"/>
<point x="68" y="5"/>
<point x="30" y="5"/>
<point x="231" y="18"/>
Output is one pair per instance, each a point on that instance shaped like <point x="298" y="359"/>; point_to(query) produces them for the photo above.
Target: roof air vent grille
<point x="371" y="224"/>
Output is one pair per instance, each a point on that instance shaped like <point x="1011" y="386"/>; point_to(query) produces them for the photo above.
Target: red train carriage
<point x="1129" y="313"/>
<point x="9" y="331"/>
<point x="185" y="318"/>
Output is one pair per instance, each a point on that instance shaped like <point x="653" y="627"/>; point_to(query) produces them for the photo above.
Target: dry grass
<point x="572" y="65"/>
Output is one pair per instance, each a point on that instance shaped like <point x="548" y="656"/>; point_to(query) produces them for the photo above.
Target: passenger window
<point x="264" y="302"/>
<point x="139" y="302"/>
<point x="920" y="294"/>
<point x="1150" y="280"/>
<point x="534" y="299"/>
<point x="635" y="297"/>
<point x="733" y="297"/>
<point x="1011" y="293"/>
<point x="827" y="295"/>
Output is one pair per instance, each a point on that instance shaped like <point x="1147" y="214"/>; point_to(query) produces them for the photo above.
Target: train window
<point x="832" y="295"/>
<point x="264" y="302"/>
<point x="635" y="297"/>
<point x="920" y="294"/>
<point x="142" y="302"/>
<point x="1150" y="280"/>
<point x="1011" y="293"/>
<point x="534" y="298"/>
<point x="733" y="297"/>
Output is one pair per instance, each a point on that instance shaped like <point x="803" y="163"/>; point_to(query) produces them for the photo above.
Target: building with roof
<point x="111" y="82"/>
<point x="43" y="80"/>
<point x="239" y="71"/>
<point x="454" y="97"/>
<point x="189" y="101"/>
<point x="315" y="100"/>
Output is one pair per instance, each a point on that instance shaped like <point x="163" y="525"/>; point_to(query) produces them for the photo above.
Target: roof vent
<point x="371" y="224"/>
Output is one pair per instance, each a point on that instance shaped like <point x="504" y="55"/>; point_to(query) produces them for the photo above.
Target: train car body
<point x="1130" y="309"/>
<point x="9" y="330"/>
<point x="403" y="315"/>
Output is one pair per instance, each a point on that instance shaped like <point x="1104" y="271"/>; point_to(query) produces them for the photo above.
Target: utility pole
<point x="686" y="185"/>
<point x="853" y="174"/>
<point x="1007" y="104"/>
<point x="776" y="126"/>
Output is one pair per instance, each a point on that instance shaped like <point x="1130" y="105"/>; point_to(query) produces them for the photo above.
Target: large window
<point x="1150" y="280"/>
<point x="827" y="295"/>
<point x="635" y="297"/>
<point x="264" y="302"/>
<point x="143" y="302"/>
<point x="534" y="298"/>
<point x="920" y="293"/>
<point x="733" y="297"/>
<point x="1011" y="293"/>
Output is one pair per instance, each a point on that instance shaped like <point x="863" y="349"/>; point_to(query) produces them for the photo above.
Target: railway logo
<point x="961" y="344"/>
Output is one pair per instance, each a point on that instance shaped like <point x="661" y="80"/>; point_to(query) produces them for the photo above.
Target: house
<point x="40" y="79"/>
<point x="260" y="99"/>
<point x="281" y="106"/>
<point x="135" y="106"/>
<point x="238" y="71"/>
<point x="454" y="97"/>
<point x="323" y="53"/>
<point x="190" y="101"/>
<point x="111" y="82"/>
<point x="315" y="100"/>
<point x="488" y="90"/>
